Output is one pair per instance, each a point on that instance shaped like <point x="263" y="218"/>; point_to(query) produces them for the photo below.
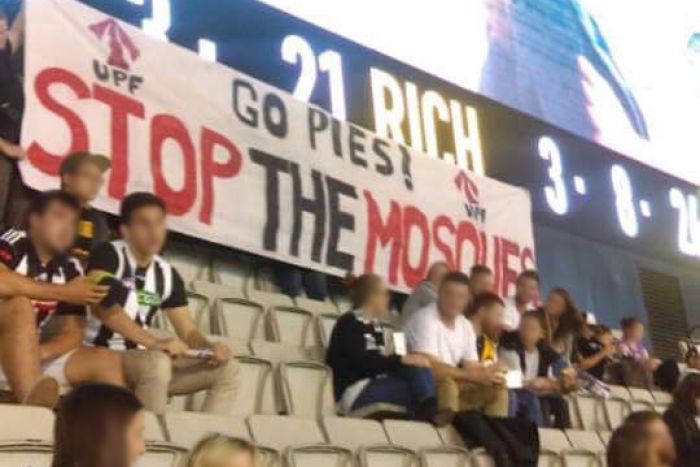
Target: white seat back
<point x="292" y="326"/>
<point x="231" y="273"/>
<point x="24" y="423"/>
<point x="187" y="428"/>
<point x="353" y="433"/>
<point x="307" y="389"/>
<point x="241" y="319"/>
<point x="277" y="352"/>
<point x="191" y="264"/>
<point x="316" y="307"/>
<point x="324" y="327"/>
<point x="280" y="432"/>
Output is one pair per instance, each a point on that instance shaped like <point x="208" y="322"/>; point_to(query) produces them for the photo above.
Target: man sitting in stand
<point x="142" y="284"/>
<point x="442" y="333"/>
<point x="42" y="312"/>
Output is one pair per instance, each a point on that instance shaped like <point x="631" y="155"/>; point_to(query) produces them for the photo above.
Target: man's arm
<point x="116" y="319"/>
<point x="472" y="372"/>
<point x="79" y="291"/>
<point x="186" y="330"/>
<point x="69" y="336"/>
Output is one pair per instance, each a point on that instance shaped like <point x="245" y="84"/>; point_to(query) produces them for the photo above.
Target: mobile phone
<point x="514" y="379"/>
<point x="203" y="354"/>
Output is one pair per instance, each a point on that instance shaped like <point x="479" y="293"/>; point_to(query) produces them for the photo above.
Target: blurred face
<point x="493" y="320"/>
<point x="555" y="305"/>
<point x="635" y="333"/>
<point x="134" y="438"/>
<point x="481" y="283"/>
<point x="437" y="273"/>
<point x="146" y="230"/>
<point x="606" y="340"/>
<point x="85" y="183"/>
<point x="527" y="290"/>
<point x="378" y="301"/>
<point x="530" y="331"/>
<point x="453" y="299"/>
<point x="55" y="229"/>
<point x="662" y="440"/>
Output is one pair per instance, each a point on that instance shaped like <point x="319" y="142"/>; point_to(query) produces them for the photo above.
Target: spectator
<point x="692" y="360"/>
<point x="143" y="284"/>
<point x="527" y="294"/>
<point x="632" y="343"/>
<point x="653" y="424"/>
<point x="442" y="333"/>
<point x="222" y="451"/>
<point x="594" y="351"/>
<point x="480" y="279"/>
<point x="564" y="324"/>
<point x="426" y="292"/>
<point x="292" y="279"/>
<point x="485" y="312"/>
<point x="363" y="373"/>
<point x="42" y="312"/>
<point x="98" y="426"/>
<point x="632" y="446"/>
<point x="14" y="196"/>
<point x="683" y="419"/>
<point x="82" y="175"/>
<point x="540" y="398"/>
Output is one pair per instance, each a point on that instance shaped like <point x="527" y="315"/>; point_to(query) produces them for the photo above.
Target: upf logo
<point x="470" y="190"/>
<point x="122" y="51"/>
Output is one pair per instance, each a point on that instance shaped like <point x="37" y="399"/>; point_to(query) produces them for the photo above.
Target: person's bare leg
<point x="95" y="365"/>
<point x="19" y="346"/>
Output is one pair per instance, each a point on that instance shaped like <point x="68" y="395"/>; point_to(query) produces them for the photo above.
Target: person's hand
<point x="83" y="291"/>
<point x="220" y="353"/>
<point x="14" y="151"/>
<point x="539" y="384"/>
<point x="416" y="360"/>
<point x="173" y="347"/>
<point x="494" y="376"/>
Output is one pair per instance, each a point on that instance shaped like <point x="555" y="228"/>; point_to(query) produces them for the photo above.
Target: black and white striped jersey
<point x="17" y="253"/>
<point x="141" y="291"/>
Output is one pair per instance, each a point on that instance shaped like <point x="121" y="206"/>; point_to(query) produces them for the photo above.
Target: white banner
<point x="246" y="165"/>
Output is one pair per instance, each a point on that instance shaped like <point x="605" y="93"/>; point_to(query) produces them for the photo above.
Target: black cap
<point x="72" y="162"/>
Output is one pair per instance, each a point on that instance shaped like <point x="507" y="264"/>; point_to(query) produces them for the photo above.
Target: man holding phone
<point x="143" y="284"/>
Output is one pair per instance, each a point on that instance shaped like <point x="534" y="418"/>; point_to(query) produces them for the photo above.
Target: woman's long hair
<point x="90" y="427"/>
<point x="570" y="322"/>
<point x="214" y="450"/>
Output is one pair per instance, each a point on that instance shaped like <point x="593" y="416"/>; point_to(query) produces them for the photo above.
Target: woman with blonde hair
<point x="223" y="451"/>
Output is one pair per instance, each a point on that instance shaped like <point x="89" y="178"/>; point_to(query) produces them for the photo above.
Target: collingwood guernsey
<point x="141" y="291"/>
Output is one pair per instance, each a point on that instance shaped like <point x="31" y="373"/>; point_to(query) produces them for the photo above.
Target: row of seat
<point x="331" y="441"/>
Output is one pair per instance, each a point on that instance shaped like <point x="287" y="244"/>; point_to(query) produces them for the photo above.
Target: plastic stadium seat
<point x="301" y="440"/>
<point x="616" y="410"/>
<point x="317" y="307"/>
<point x="591" y="412"/>
<point x="554" y="440"/>
<point x="307" y="389"/>
<point x="637" y="405"/>
<point x="277" y="352"/>
<point x="239" y="347"/>
<point x="214" y="291"/>
<point x="191" y="264"/>
<point x="256" y="390"/>
<point x="641" y="395"/>
<point x="232" y="273"/>
<point x="292" y="326"/>
<point x="662" y="397"/>
<point x="270" y="299"/>
<point x="324" y="327"/>
<point x="353" y="433"/>
<point x="23" y="423"/>
<point x="240" y="319"/>
<point x="450" y="436"/>
<point x="159" y="452"/>
<point x="425" y="441"/>
<point x="661" y="407"/>
<point x="619" y="391"/>
<point x="605" y="436"/>
<point x="264" y="280"/>
<point x="588" y="440"/>
<point x="187" y="428"/>
<point x="198" y="306"/>
<point x="573" y="412"/>
<point x="556" y="445"/>
<point x="25" y="436"/>
<point x="342" y="303"/>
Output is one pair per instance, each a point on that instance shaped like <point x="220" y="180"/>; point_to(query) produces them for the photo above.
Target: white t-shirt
<point x="426" y="333"/>
<point x="511" y="315"/>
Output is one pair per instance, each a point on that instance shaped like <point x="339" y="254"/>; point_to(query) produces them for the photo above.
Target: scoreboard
<point x="576" y="184"/>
